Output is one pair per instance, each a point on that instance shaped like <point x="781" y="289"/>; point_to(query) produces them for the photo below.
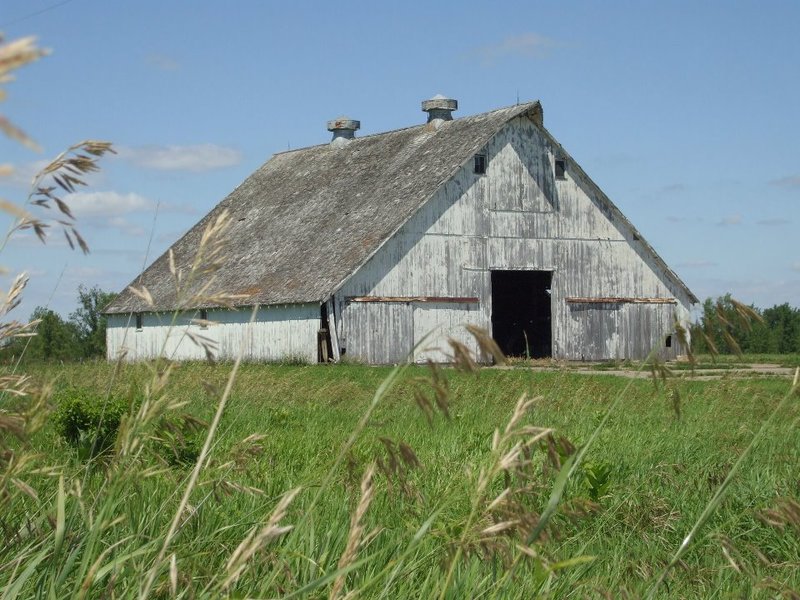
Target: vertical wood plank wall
<point x="516" y="216"/>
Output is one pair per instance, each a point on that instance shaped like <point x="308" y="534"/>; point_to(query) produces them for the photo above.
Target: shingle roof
<point x="307" y="219"/>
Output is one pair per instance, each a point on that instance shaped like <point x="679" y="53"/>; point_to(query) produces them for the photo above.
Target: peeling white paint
<point x="278" y="333"/>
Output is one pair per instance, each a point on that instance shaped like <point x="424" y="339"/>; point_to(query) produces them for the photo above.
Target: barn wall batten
<point x="516" y="216"/>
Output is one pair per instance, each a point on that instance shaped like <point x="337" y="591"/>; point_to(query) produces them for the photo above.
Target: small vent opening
<point x="138" y="321"/>
<point x="561" y="168"/>
<point x="480" y="164"/>
<point x="668" y="342"/>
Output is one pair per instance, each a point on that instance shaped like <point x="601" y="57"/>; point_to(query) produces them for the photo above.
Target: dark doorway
<point x="521" y="312"/>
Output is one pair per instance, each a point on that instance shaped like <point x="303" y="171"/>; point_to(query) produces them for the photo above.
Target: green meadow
<point x="585" y="489"/>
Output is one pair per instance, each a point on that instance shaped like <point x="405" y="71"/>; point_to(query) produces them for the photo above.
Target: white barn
<point x="362" y="246"/>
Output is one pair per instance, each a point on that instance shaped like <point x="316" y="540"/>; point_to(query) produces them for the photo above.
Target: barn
<point x="363" y="246"/>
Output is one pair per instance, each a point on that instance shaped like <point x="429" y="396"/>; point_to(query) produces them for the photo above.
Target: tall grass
<point x="277" y="438"/>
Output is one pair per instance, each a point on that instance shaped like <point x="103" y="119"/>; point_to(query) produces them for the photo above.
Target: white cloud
<point x="526" y="45"/>
<point x="791" y="181"/>
<point x="730" y="220"/>
<point x="107" y="204"/>
<point x="21" y="176"/>
<point x="196" y="158"/>
<point x="124" y="226"/>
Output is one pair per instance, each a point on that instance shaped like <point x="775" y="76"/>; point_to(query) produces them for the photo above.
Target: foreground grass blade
<point x="555" y="498"/>
<point x="722" y="490"/>
<point x="15" y="588"/>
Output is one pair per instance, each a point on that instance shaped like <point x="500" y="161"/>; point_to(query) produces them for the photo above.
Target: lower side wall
<point x="381" y="333"/>
<point x="277" y="333"/>
<point x="385" y="333"/>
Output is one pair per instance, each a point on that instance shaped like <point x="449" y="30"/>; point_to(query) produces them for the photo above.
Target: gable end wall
<point x="517" y="216"/>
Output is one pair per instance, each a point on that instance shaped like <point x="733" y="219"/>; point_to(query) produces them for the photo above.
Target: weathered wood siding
<point x="278" y="333"/>
<point x="517" y="216"/>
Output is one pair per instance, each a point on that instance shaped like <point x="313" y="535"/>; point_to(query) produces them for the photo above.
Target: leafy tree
<point x="55" y="339"/>
<point x="727" y="326"/>
<point x="89" y="321"/>
<point x="784" y="324"/>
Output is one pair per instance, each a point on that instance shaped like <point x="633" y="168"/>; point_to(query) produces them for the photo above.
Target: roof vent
<point x="439" y="109"/>
<point x="344" y="130"/>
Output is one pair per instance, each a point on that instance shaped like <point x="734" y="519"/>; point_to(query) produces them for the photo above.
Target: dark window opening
<point x="668" y="342"/>
<point x="324" y="344"/>
<point x="203" y="317"/>
<point x="521" y="313"/>
<point x="138" y="321"/>
<point x="480" y="164"/>
<point x="561" y="168"/>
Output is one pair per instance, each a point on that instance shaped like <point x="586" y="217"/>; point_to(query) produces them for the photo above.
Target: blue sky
<point x="685" y="114"/>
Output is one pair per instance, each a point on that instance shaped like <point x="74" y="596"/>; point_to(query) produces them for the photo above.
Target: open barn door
<point x="521" y="313"/>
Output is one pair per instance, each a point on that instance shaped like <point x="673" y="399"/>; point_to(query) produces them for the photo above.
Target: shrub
<point x="87" y="421"/>
<point x="179" y="439"/>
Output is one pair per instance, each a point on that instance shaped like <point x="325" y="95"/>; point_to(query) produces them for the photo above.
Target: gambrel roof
<point x="308" y="219"/>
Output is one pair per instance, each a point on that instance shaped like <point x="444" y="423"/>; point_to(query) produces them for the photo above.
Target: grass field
<point x="427" y="524"/>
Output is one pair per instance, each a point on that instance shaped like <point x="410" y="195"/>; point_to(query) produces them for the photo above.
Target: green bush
<point x="88" y="422"/>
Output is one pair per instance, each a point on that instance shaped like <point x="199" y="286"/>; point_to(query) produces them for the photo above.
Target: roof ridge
<point x="399" y="129"/>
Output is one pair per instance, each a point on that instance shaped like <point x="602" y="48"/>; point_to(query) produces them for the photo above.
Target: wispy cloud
<point x="21" y="175"/>
<point x="107" y="204"/>
<point x="697" y="264"/>
<point x="195" y="158"/>
<point x="791" y="181"/>
<point x="163" y="62"/>
<point x="683" y="219"/>
<point x="730" y="220"/>
<point x="124" y="226"/>
<point x="774" y="222"/>
<point x="524" y="45"/>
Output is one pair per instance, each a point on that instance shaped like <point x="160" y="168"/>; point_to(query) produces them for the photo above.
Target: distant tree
<point x="89" y="321"/>
<point x="55" y="339"/>
<point x="783" y="322"/>
<point x="727" y="325"/>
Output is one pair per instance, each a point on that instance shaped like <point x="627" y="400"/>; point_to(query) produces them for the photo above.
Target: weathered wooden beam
<point x="621" y="300"/>
<point x="407" y="299"/>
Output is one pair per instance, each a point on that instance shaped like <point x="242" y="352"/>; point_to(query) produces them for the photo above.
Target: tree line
<point x="729" y="327"/>
<point x="82" y="335"/>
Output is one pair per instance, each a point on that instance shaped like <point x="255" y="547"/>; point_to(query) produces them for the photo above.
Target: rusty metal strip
<point x="616" y="300"/>
<point x="407" y="299"/>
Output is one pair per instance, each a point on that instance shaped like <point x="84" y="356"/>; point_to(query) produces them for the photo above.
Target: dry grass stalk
<point x="440" y="397"/>
<point x="498" y="525"/>
<point x="257" y="539"/>
<point x="401" y="460"/>
<point x="785" y="513"/>
<point x="487" y="345"/>
<point x="462" y="357"/>
<point x="14" y="55"/>
<point x="356" y="534"/>
<point x="65" y="174"/>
